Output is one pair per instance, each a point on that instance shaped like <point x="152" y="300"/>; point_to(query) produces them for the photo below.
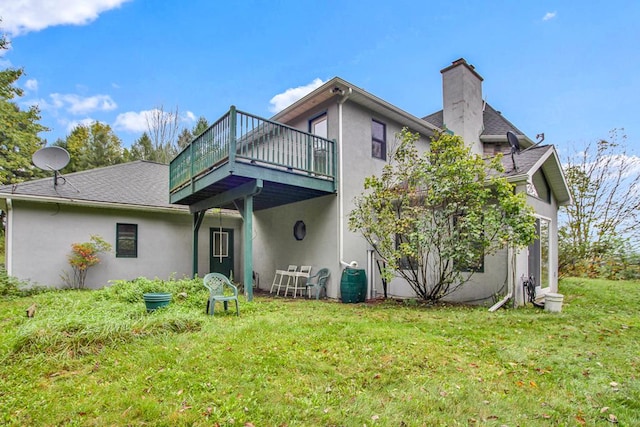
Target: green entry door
<point x="221" y="253"/>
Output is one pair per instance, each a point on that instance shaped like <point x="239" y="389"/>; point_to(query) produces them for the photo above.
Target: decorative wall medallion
<point x="299" y="230"/>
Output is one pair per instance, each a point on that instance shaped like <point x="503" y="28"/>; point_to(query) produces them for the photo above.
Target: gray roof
<point x="530" y="160"/>
<point x="493" y="121"/>
<point x="139" y="183"/>
<point x="524" y="161"/>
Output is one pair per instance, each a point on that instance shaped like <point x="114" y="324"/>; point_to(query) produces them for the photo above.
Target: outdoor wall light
<point x="299" y="230"/>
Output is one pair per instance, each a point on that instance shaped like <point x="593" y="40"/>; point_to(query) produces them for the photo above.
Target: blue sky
<point x="570" y="69"/>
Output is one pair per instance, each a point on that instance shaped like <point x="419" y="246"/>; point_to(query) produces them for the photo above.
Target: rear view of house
<point x="293" y="179"/>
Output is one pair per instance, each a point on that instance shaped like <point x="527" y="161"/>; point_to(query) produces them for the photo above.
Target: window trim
<point x="221" y="250"/>
<point x="132" y="254"/>
<point x="318" y="157"/>
<point x="382" y="142"/>
<point x="317" y="118"/>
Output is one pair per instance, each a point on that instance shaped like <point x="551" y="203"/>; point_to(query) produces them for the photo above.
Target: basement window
<point x="126" y="240"/>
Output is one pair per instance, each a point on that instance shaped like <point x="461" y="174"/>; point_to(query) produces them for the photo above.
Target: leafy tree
<point x="604" y="181"/>
<point x="184" y="138"/>
<point x="142" y="148"/>
<point x="104" y="148"/>
<point x="431" y="215"/>
<point x="201" y="125"/>
<point x="92" y="146"/>
<point x="18" y="132"/>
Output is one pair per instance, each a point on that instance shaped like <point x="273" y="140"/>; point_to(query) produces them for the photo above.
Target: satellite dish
<point x="513" y="141"/>
<point x="515" y="147"/>
<point x="51" y="158"/>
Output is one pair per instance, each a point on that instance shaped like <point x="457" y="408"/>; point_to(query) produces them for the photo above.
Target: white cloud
<point x="31" y="84"/>
<point x="189" y="117"/>
<point x="22" y="16"/>
<point x="76" y="104"/>
<point x="291" y="95"/>
<point x="549" y="15"/>
<point x="133" y="121"/>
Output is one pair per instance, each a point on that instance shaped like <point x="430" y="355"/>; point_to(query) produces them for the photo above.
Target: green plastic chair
<point x="318" y="282"/>
<point x="220" y="289"/>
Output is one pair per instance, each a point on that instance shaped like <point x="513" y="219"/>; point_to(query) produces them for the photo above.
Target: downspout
<point x="340" y="184"/>
<point x="510" y="280"/>
<point x="8" y="239"/>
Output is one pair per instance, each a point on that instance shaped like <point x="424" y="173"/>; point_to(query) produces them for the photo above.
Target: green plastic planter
<point x="154" y="301"/>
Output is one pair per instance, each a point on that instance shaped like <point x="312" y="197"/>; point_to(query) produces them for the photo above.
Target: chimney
<point x="462" y="102"/>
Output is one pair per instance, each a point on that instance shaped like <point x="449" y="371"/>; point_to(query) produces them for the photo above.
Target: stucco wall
<point x="275" y="247"/>
<point x="274" y="241"/>
<point x="46" y="232"/>
<point x="357" y="165"/>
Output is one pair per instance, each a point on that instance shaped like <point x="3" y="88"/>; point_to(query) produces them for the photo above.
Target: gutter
<point x="95" y="204"/>
<point x="8" y="238"/>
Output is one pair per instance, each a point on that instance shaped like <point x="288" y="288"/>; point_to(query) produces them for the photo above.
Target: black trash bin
<point x="353" y="285"/>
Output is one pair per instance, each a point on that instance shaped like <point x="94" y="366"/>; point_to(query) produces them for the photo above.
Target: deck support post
<point x="246" y="211"/>
<point x="248" y="246"/>
<point x="197" y="222"/>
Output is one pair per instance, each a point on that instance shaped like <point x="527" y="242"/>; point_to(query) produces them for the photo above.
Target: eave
<point x="339" y="89"/>
<point x="180" y="210"/>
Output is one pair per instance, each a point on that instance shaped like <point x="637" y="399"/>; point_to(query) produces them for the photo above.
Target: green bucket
<point x="153" y="301"/>
<point x="353" y="285"/>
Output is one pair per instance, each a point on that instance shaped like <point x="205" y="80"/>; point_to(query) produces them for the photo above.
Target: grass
<point x="97" y="358"/>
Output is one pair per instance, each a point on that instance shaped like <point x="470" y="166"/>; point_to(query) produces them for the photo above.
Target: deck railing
<point x="241" y="137"/>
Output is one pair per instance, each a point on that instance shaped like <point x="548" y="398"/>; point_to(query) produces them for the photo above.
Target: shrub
<point x="13" y="287"/>
<point x="83" y="256"/>
<point x="9" y="286"/>
<point x="131" y="291"/>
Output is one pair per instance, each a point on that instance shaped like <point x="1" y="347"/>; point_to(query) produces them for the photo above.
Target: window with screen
<point x="126" y="240"/>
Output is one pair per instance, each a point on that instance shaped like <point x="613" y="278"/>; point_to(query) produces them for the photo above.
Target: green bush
<point x="13" y="287"/>
<point x="189" y="292"/>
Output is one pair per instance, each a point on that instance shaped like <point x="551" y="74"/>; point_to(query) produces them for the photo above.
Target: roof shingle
<point x="138" y="183"/>
<point x="493" y="122"/>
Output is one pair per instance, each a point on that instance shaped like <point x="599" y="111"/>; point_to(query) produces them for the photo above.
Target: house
<point x="125" y="204"/>
<point x="293" y="180"/>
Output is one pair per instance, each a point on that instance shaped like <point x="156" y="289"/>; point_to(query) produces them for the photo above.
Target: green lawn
<point x="97" y="358"/>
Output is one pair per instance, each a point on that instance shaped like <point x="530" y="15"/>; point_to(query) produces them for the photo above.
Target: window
<point x="544" y="252"/>
<point x="126" y="240"/>
<point x="220" y="247"/>
<point x="539" y="254"/>
<point x="378" y="140"/>
<point x="474" y="264"/>
<point x="318" y="127"/>
<point x="405" y="262"/>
